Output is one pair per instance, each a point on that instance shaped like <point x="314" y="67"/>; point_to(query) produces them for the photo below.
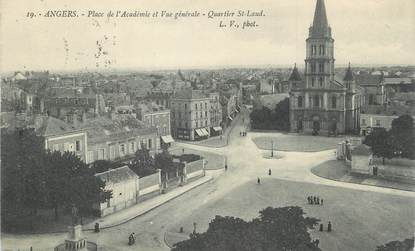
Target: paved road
<point x="245" y="163"/>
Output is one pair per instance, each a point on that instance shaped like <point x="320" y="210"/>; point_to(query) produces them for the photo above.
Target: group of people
<point x="131" y="239"/>
<point x="328" y="227"/>
<point x="242" y="133"/>
<point x="314" y="200"/>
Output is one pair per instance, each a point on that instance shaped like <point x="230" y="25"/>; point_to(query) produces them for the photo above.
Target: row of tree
<point x="399" y="141"/>
<point x="33" y="178"/>
<point x="267" y="119"/>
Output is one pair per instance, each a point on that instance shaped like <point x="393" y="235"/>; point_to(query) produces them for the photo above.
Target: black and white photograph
<point x="180" y="125"/>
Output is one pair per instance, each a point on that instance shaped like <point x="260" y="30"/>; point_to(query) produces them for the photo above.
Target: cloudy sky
<point x="366" y="32"/>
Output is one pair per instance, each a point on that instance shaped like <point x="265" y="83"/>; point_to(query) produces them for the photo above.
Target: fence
<point x="149" y="184"/>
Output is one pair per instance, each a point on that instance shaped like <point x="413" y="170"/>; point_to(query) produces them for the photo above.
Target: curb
<point x="407" y="190"/>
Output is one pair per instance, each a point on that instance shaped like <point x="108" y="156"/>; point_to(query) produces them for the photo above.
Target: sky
<point x="366" y="32"/>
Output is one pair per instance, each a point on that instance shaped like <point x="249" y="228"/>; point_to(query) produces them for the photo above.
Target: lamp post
<point x="272" y="148"/>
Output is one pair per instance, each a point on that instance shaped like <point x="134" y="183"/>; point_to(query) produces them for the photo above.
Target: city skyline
<point x="378" y="37"/>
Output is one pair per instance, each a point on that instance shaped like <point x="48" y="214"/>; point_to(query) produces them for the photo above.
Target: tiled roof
<point x="397" y="81"/>
<point x="117" y="175"/>
<point x="48" y="126"/>
<point x="190" y="94"/>
<point x="367" y="79"/>
<point x="102" y="129"/>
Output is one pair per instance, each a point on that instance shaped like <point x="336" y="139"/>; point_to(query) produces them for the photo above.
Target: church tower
<point x="319" y="62"/>
<point x="320" y="103"/>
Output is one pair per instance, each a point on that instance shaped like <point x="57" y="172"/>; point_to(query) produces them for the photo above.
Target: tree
<point x="405" y="245"/>
<point x="402" y="136"/>
<point x="100" y="166"/>
<point x="143" y="162"/>
<point x="281" y="115"/>
<point x="283" y="228"/>
<point x="380" y="142"/>
<point x="164" y="162"/>
<point x="260" y="118"/>
<point x="22" y="174"/>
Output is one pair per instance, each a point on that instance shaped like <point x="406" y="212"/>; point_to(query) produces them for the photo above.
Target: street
<point x="236" y="193"/>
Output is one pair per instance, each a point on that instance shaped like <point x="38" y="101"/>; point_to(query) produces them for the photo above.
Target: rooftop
<point x="117" y="175"/>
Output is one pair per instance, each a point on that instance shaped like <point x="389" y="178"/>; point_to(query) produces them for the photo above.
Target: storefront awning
<point x="199" y="132"/>
<point x="167" y="139"/>
<point x="217" y="128"/>
<point x="205" y="132"/>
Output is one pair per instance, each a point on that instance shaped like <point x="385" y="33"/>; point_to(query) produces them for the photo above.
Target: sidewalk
<point x="141" y="208"/>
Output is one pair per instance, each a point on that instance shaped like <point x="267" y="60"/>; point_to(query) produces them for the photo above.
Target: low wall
<point x="194" y="169"/>
<point x="149" y="184"/>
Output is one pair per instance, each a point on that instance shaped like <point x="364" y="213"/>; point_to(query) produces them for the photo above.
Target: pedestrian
<point x="321" y="227"/>
<point x="315" y="199"/>
<point x="226" y="167"/>
<point x="269" y="171"/>
<point x="97" y="227"/>
<point x="317" y="242"/>
<point x="318" y="200"/>
<point x="329" y="227"/>
<point x="183" y="150"/>
<point x="311" y="200"/>
<point x="259" y="181"/>
<point x="321" y="201"/>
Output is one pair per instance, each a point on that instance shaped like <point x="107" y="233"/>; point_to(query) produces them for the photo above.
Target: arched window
<point x="321" y="81"/>
<point x="334" y="102"/>
<point x="300" y="101"/>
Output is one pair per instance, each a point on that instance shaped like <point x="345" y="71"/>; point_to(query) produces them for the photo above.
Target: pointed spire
<point x="320" y="26"/>
<point x="295" y="75"/>
<point x="349" y="74"/>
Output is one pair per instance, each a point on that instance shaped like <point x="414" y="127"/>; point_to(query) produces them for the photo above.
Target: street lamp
<point x="272" y="148"/>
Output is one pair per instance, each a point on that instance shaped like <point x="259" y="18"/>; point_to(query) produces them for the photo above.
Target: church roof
<point x="295" y="75"/>
<point x="349" y="74"/>
<point x="320" y="26"/>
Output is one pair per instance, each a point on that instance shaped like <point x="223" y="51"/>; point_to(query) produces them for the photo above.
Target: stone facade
<point x="320" y="103"/>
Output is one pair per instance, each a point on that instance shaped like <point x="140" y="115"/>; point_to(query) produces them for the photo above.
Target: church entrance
<point x="333" y="127"/>
<point x="316" y="125"/>
<point x="299" y="125"/>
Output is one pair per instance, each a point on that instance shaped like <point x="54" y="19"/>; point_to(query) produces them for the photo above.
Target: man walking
<point x="269" y="172"/>
<point x="329" y="227"/>
<point x="259" y="181"/>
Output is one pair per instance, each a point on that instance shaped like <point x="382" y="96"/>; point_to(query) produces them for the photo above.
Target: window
<point x="122" y="149"/>
<point x="377" y="122"/>
<point x="205" y="114"/>
<point x="363" y="121"/>
<point x="78" y="145"/>
<point x="150" y="144"/>
<point x="313" y="67"/>
<point x="196" y="106"/>
<point x="334" y="102"/>
<point x="185" y="106"/>
<point x="316" y="101"/>
<point x="300" y="101"/>
<point x="312" y="81"/>
<point x="321" y="81"/>
<point x="101" y="154"/>
<point x="90" y="157"/>
<point x="205" y="105"/>
<point x="112" y="152"/>
<point x="321" y="67"/>
<point x="132" y="147"/>
<point x="197" y="124"/>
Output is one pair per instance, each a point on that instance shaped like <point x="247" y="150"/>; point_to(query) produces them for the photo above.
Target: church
<point x="320" y="102"/>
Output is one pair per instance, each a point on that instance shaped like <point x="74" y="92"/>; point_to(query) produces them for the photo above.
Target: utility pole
<point x="272" y="148"/>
